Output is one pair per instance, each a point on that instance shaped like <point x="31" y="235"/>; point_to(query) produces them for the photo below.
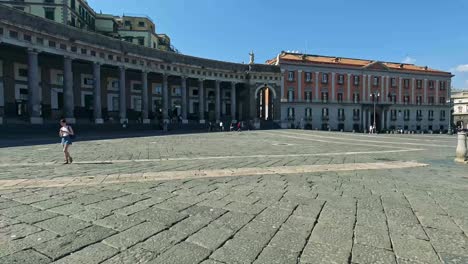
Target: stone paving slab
<point x="282" y="196"/>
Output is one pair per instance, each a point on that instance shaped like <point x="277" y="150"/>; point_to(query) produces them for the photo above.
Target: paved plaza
<point x="280" y="196"/>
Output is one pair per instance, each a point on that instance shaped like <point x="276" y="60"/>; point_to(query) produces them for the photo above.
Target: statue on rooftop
<point x="252" y="57"/>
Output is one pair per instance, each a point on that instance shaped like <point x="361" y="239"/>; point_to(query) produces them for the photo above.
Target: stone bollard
<point x="461" y="148"/>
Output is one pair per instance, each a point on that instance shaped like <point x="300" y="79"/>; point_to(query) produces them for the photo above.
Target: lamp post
<point x="375" y="97"/>
<point x="450" y="102"/>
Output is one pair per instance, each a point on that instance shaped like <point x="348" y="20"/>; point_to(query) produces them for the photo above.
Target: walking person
<point x="239" y="127"/>
<point x="66" y="133"/>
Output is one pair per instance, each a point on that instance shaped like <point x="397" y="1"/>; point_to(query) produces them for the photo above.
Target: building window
<point x="40" y="41"/>
<point x="407" y="114"/>
<point x="340" y="97"/>
<point x="393" y="82"/>
<point x="88" y="81"/>
<point x="406" y="99"/>
<point x="308" y="96"/>
<point x="419" y="115"/>
<point x="308" y="77"/>
<point x="356" y="115"/>
<point x="141" y="24"/>
<point x="431" y="100"/>
<point x="13" y="34"/>
<point x="49" y="13"/>
<point x="442" y="100"/>
<point x="324" y="78"/>
<point x="52" y="44"/>
<point x="308" y="113"/>
<point x="127" y="23"/>
<point x="137" y="87"/>
<point x="291" y="95"/>
<point x="340" y="79"/>
<point x="431" y="84"/>
<point x="157" y="89"/>
<point x="460" y="109"/>
<point x="393" y="115"/>
<point x="23" y="72"/>
<point x="406" y="83"/>
<point x="141" y="41"/>
<point x="356" y="98"/>
<point x="419" y="84"/>
<point x="430" y="115"/>
<point x="442" y="115"/>
<point x="419" y="100"/>
<point x="72" y="4"/>
<point x="115" y="103"/>
<point x="375" y="81"/>
<point x="324" y="113"/>
<point x="27" y="37"/>
<point x="442" y="85"/>
<point x="356" y="80"/>
<point x="341" y="114"/>
<point x="291" y="76"/>
<point x="176" y="91"/>
<point x="195" y="92"/>
<point x="291" y="113"/>
<point x="392" y="98"/>
<point x="324" y="97"/>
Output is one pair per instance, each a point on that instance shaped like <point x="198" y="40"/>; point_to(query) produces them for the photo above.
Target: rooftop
<point x="285" y="57"/>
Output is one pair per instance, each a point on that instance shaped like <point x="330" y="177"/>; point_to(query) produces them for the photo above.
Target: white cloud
<point x="409" y="60"/>
<point x="461" y="68"/>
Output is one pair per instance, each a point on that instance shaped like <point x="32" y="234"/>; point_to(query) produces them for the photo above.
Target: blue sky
<point x="430" y="32"/>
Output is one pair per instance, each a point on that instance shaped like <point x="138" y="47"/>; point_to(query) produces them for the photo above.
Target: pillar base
<point x="146" y="121"/>
<point x="36" y="120"/>
<point x="461" y="160"/>
<point x="185" y="121"/>
<point x="123" y="120"/>
<point x="70" y="120"/>
<point x="202" y="121"/>
<point x="99" y="121"/>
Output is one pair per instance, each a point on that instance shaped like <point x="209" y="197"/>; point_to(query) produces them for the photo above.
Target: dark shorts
<point x="67" y="140"/>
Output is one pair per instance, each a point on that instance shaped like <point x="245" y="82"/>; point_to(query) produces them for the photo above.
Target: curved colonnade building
<point x="49" y="70"/>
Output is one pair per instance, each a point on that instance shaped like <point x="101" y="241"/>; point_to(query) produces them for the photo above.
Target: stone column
<point x="122" y="97"/>
<point x="317" y="96"/>
<point x="333" y="79"/>
<point x="233" y="101"/>
<point x="283" y="94"/>
<point x="97" y="93"/>
<point x="165" y="99"/>
<point x="349" y="87"/>
<point x="68" y="95"/>
<point x="218" y="101"/>
<point x="34" y="90"/>
<point x="183" y="87"/>
<point x="413" y="91"/>
<point x="144" y="97"/>
<point x="201" y="100"/>
<point x="2" y="94"/>
<point x="299" y="85"/>
<point x="436" y="99"/>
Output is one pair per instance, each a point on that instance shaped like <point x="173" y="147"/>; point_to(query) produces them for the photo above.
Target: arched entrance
<point x="265" y="96"/>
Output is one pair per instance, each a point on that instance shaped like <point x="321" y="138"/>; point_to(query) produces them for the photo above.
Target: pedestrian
<point x="239" y="127"/>
<point x="210" y="127"/>
<point x="370" y="129"/>
<point x="231" y="127"/>
<point x="221" y="127"/>
<point x="66" y="133"/>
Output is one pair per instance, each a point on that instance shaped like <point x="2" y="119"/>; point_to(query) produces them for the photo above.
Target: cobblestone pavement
<point x="283" y="196"/>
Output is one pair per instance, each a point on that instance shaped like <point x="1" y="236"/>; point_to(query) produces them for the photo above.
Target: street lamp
<point x="450" y="102"/>
<point x="375" y="97"/>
